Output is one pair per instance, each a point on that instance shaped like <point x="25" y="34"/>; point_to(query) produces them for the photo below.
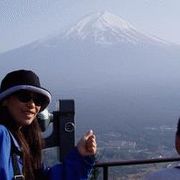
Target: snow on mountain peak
<point x="112" y="20"/>
<point x="106" y="28"/>
<point x="103" y="27"/>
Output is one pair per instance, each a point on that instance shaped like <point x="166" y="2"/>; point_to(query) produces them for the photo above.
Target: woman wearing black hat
<point x="21" y="99"/>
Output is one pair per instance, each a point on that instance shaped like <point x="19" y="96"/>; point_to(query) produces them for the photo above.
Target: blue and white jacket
<point x="74" y="167"/>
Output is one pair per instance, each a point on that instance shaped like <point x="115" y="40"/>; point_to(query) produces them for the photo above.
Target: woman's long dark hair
<point x="29" y="138"/>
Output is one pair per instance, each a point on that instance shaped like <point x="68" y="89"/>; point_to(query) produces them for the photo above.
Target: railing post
<point x="105" y="173"/>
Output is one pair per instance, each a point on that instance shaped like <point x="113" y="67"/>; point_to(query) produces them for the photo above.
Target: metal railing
<point x="64" y="132"/>
<point x="107" y="165"/>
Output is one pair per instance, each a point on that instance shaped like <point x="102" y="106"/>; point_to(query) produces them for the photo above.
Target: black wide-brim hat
<point x="23" y="80"/>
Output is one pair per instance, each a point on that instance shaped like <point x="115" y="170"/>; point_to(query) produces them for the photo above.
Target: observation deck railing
<point x="64" y="132"/>
<point x="107" y="165"/>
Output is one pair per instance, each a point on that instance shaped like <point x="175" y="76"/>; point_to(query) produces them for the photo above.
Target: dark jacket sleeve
<point x="74" y="167"/>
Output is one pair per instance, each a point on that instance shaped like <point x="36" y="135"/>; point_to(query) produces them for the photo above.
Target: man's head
<point x="177" y="139"/>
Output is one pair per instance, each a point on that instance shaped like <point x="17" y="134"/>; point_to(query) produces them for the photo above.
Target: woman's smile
<point x="28" y="113"/>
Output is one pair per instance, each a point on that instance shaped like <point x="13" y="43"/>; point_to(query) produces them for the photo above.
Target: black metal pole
<point x="105" y="173"/>
<point x="137" y="162"/>
<point x="63" y="134"/>
<point x="66" y="127"/>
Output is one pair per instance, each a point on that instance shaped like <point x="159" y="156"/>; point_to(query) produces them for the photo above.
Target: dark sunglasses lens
<point x="39" y="100"/>
<point x="25" y="96"/>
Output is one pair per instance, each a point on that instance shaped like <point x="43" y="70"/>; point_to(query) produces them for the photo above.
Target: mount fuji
<point x="112" y="70"/>
<point x="107" y="28"/>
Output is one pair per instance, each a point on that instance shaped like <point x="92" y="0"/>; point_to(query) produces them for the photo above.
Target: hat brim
<point x="35" y="89"/>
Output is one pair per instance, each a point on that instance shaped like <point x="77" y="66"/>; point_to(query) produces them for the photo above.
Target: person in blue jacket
<point x="21" y="99"/>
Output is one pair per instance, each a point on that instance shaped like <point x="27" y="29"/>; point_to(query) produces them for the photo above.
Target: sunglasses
<point x="25" y="96"/>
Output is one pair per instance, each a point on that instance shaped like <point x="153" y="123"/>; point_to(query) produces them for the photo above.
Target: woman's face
<point x="23" y="112"/>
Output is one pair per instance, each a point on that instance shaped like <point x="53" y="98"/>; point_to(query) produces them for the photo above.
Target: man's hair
<point x="178" y="128"/>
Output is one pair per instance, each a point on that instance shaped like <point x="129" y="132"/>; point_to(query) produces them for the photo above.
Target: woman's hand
<point x="87" y="144"/>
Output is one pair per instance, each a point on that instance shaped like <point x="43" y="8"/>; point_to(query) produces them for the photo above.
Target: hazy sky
<point x="22" y="21"/>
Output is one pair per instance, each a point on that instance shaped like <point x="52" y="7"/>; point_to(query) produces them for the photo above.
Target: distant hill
<point x="116" y="74"/>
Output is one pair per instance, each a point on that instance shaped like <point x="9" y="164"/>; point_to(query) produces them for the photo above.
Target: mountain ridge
<point x="111" y="83"/>
<point x="107" y="28"/>
<point x="98" y="29"/>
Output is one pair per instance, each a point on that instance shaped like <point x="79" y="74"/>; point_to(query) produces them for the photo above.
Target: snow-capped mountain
<point x="112" y="70"/>
<point x="106" y="28"/>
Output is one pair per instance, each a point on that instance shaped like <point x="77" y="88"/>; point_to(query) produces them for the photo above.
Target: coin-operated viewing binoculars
<point x="58" y="127"/>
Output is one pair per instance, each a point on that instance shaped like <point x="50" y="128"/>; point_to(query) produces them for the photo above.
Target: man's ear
<point x="177" y="143"/>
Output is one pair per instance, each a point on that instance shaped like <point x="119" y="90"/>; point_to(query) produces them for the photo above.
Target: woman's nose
<point x="31" y="103"/>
